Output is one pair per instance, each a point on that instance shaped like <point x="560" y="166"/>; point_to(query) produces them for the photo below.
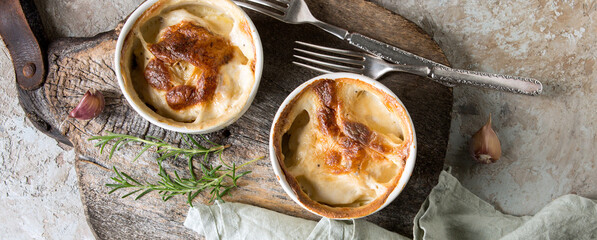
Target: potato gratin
<point x="192" y="63"/>
<point x="342" y="145"/>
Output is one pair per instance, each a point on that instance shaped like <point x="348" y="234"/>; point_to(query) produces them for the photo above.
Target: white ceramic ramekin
<point x="410" y="162"/>
<point x="147" y="113"/>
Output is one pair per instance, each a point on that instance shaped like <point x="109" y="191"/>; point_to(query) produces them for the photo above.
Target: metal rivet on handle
<point x="29" y="70"/>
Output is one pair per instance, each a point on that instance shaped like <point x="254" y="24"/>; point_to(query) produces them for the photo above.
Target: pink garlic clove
<point x="90" y="106"/>
<point x="485" y="145"/>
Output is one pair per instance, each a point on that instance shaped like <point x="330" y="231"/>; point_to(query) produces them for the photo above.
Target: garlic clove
<point x="91" y="105"/>
<point x="485" y="145"/>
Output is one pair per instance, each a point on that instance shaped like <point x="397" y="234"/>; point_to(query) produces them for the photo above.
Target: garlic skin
<point x="90" y="106"/>
<point x="485" y="145"/>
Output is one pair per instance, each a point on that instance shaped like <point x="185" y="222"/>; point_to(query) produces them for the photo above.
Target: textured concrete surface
<point x="548" y="141"/>
<point x="39" y="194"/>
<point x="38" y="188"/>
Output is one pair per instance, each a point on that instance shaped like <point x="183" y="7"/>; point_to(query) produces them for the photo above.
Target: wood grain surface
<point x="75" y="65"/>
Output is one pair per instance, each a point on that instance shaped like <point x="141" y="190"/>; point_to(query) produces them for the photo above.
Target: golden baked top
<point x="187" y="43"/>
<point x="342" y="145"/>
<point x="191" y="62"/>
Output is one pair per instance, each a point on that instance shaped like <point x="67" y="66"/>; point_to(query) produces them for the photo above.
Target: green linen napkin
<point x="241" y="221"/>
<point x="450" y="212"/>
<point x="453" y="212"/>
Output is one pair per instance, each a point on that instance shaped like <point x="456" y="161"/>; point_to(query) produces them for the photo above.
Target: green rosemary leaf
<point x="176" y="175"/>
<point x="156" y="139"/>
<point x="103" y="145"/>
<point x="182" y="136"/>
<point x="195" y="142"/>
<point x="205" y="156"/>
<point x="143" y="193"/>
<point x="242" y="174"/>
<point x="190" y="199"/>
<point x="191" y="171"/>
<point x="207" y="140"/>
<point x="113" y="190"/>
<point x="212" y="198"/>
<point x="131" y="193"/>
<point x="114" y="148"/>
<point x="114" y="185"/>
<point x="124" y="142"/>
<point x="214" y="170"/>
<point x="225" y="192"/>
<point x="130" y="178"/>
<point x="147" y="147"/>
<point x="117" y="173"/>
<point x="196" y="193"/>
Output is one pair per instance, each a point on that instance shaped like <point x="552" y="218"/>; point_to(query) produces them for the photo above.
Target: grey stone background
<point x="548" y="141"/>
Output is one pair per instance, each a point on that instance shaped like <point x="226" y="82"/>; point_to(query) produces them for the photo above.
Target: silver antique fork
<point x="293" y="12"/>
<point x="350" y="61"/>
<point x="370" y="65"/>
<point x="297" y="11"/>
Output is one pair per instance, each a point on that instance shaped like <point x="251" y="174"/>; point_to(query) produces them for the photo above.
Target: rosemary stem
<point x="195" y="151"/>
<point x="214" y="178"/>
<point x="249" y="162"/>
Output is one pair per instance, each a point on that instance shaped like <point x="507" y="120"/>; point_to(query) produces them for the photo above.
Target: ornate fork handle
<point x="501" y="82"/>
<point x="444" y="74"/>
<point x="450" y="77"/>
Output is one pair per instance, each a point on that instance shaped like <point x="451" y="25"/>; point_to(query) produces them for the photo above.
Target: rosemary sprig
<point x="166" y="150"/>
<point x="218" y="180"/>
<point x="212" y="180"/>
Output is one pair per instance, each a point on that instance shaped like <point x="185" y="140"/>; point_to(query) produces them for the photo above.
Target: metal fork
<point x="350" y="61"/>
<point x="297" y="11"/>
<point x="370" y="65"/>
<point x="293" y="12"/>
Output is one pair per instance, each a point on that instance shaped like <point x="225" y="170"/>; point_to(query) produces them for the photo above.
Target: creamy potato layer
<point x="191" y="62"/>
<point x="344" y="142"/>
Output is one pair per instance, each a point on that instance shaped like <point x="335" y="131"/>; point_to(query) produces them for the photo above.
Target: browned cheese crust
<point x="348" y="146"/>
<point x="193" y="44"/>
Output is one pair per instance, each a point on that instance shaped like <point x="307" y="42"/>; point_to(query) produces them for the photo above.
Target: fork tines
<point x="331" y="59"/>
<point x="275" y="8"/>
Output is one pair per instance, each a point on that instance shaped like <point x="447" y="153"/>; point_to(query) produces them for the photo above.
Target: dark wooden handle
<point x="24" y="49"/>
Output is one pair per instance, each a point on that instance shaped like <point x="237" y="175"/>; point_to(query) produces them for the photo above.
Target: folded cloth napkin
<point x="450" y="212"/>
<point x="453" y="212"/>
<point x="241" y="221"/>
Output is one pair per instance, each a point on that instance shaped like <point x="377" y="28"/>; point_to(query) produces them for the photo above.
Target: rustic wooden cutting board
<point x="75" y="65"/>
